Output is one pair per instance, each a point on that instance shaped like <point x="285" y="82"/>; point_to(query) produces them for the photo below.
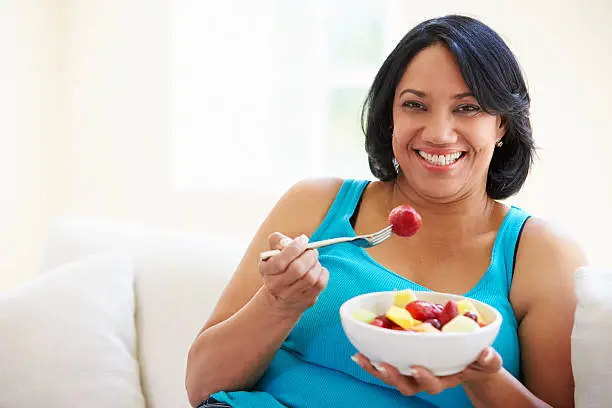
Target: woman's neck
<point x="442" y="220"/>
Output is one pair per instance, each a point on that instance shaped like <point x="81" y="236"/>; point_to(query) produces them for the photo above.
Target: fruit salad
<point x="408" y="313"/>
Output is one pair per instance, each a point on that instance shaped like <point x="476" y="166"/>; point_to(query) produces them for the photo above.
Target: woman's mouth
<point x="441" y="161"/>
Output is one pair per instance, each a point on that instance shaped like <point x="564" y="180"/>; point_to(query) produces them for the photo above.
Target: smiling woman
<point x="444" y="130"/>
<point x="474" y="86"/>
<point x="447" y="133"/>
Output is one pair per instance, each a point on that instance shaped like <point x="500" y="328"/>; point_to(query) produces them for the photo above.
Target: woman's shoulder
<point x="546" y="241"/>
<point x="312" y="194"/>
<point x="304" y="205"/>
<point x="316" y="188"/>
<point x="546" y="259"/>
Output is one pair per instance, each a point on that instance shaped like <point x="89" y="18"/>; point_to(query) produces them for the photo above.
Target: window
<point x="272" y="90"/>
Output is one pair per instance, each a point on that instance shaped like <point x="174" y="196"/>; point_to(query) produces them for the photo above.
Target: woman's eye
<point x="468" y="108"/>
<point x="413" y="105"/>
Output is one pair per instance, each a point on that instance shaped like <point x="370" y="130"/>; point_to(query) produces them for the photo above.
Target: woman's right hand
<point x="294" y="278"/>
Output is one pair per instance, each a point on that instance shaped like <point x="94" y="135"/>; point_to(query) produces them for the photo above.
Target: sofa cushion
<point x="178" y="279"/>
<point x="592" y="338"/>
<point x="68" y="338"/>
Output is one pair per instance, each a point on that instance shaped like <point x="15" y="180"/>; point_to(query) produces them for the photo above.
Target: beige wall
<point x="115" y="145"/>
<point x="111" y="148"/>
<point x="27" y="123"/>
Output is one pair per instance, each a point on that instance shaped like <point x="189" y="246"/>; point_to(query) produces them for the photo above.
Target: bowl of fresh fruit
<point x="439" y="331"/>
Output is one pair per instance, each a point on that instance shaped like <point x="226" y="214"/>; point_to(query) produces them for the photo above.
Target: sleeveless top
<point x="313" y="367"/>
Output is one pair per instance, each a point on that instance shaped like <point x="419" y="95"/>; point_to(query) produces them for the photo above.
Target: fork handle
<point x="311" y="245"/>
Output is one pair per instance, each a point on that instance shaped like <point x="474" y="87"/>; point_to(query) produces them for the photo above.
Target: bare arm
<point x="260" y="305"/>
<point x="543" y="295"/>
<point x="233" y="354"/>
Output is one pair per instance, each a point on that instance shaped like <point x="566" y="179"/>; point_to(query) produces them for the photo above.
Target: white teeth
<point x="441" y="160"/>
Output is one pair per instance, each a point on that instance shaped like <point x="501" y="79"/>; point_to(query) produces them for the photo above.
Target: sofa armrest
<point x="592" y="338"/>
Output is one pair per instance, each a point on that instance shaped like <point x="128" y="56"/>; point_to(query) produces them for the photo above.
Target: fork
<point x="362" y="241"/>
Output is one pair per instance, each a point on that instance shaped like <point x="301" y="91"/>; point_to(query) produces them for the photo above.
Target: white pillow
<point x="178" y="279"/>
<point x="592" y="338"/>
<point x="67" y="338"/>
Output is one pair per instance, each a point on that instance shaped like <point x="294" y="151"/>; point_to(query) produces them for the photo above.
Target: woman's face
<point x="442" y="139"/>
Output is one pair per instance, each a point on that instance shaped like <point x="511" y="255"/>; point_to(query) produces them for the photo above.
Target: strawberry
<point x="448" y="313"/>
<point x="422" y="310"/>
<point x="383" y="321"/>
<point x="404" y="220"/>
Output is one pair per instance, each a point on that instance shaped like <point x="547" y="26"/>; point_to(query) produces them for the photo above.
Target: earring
<point x="499" y="143"/>
<point x="396" y="166"/>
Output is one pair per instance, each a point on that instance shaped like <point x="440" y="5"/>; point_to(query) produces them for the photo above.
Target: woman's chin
<point x="441" y="193"/>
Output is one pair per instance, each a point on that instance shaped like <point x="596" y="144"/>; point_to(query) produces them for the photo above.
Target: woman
<point x="448" y="132"/>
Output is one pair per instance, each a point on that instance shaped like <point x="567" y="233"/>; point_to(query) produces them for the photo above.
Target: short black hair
<point x="492" y="73"/>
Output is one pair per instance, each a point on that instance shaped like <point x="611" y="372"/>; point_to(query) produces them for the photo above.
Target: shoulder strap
<point x="509" y="236"/>
<point x="343" y="206"/>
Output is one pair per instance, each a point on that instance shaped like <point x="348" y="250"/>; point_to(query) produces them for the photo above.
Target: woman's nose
<point x="439" y="130"/>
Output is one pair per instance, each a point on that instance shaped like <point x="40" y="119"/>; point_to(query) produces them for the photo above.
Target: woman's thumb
<point x="276" y="240"/>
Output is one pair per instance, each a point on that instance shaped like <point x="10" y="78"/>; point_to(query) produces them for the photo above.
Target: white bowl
<point x="441" y="353"/>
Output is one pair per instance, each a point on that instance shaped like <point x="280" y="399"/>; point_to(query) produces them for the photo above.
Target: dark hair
<point x="492" y="74"/>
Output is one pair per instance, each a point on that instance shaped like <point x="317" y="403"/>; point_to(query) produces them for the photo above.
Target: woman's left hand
<point x="488" y="363"/>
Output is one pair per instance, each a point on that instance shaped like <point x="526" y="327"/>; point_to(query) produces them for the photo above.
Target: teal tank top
<point x="313" y="367"/>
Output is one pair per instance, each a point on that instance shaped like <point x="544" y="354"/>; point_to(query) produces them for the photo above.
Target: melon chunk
<point x="363" y="315"/>
<point x="401" y="317"/>
<point x="460" y="324"/>
<point x="403" y="297"/>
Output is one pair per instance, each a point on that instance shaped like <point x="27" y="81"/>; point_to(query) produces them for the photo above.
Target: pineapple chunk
<point x="466" y="306"/>
<point x="401" y="317"/>
<point x="403" y="297"/>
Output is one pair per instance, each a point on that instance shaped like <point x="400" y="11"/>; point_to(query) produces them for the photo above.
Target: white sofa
<point x="177" y="279"/>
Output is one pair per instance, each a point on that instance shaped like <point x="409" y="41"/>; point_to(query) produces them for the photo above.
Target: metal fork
<point x="363" y="241"/>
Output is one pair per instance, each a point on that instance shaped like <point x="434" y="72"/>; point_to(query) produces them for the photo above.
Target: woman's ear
<point x="503" y="127"/>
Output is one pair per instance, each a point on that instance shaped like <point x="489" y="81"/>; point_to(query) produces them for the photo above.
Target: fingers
<point x="276" y="240"/>
<point x="322" y="281"/>
<point x="294" y="276"/>
<point x="312" y="292"/>
<point x="404" y="384"/>
<point x="388" y="374"/>
<point x="298" y="281"/>
<point x="430" y="383"/>
<point x="300" y="267"/>
<point x="421" y="379"/>
<point x="364" y="363"/>
<point x="299" y="276"/>
<point x="290" y="252"/>
<point x="309" y="285"/>
<point x="489" y="361"/>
